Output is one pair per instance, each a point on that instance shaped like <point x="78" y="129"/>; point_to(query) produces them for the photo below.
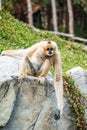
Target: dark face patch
<point x="50" y="50"/>
<point x="49" y="42"/>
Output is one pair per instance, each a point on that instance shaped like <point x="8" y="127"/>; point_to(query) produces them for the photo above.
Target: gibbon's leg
<point x="26" y="67"/>
<point x="44" y="71"/>
<point x="20" y="52"/>
<point x="58" y="82"/>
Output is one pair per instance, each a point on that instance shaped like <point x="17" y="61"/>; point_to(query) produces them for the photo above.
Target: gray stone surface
<point x="7" y="99"/>
<point x="79" y="76"/>
<point x="27" y="105"/>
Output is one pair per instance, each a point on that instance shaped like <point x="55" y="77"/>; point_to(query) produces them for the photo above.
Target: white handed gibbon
<point x="37" y="61"/>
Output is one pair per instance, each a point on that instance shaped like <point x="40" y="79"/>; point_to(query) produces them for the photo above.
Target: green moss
<point x="76" y="101"/>
<point x="15" y="35"/>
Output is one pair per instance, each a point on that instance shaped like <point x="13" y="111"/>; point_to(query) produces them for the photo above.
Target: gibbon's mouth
<point x="49" y="55"/>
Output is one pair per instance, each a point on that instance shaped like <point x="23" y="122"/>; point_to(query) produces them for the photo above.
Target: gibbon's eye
<point x="48" y="49"/>
<point x="51" y="49"/>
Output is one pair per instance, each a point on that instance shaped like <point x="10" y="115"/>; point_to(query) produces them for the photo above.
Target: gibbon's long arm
<point x="19" y="52"/>
<point x="58" y="82"/>
<point x="22" y="52"/>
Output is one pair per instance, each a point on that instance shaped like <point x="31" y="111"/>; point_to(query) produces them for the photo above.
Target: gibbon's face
<point x="49" y="48"/>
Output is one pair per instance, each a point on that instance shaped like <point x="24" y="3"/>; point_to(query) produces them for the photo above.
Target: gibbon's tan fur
<point x="37" y="60"/>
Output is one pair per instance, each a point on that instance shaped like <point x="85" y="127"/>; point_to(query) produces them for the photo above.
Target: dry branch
<point x="70" y="36"/>
<point x="79" y="39"/>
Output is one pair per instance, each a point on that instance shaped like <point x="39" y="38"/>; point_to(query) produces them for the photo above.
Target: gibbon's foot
<point x="14" y="77"/>
<point x="17" y="76"/>
<point x="22" y="77"/>
<point x="57" y="116"/>
<point x="41" y="80"/>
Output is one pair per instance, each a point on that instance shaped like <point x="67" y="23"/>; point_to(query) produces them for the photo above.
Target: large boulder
<point x="79" y="76"/>
<point x="25" y="104"/>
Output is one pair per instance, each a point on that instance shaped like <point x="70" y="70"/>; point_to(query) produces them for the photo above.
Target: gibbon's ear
<point x="56" y="48"/>
<point x="57" y="45"/>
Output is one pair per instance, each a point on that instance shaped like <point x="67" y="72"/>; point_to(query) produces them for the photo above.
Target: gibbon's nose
<point x="50" y="52"/>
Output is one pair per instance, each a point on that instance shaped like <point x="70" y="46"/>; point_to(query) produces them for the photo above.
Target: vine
<point x="76" y="101"/>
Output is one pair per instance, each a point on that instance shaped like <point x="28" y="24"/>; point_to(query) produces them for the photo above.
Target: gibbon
<point x="37" y="61"/>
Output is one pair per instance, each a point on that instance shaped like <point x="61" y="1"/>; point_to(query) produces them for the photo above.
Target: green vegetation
<point x="76" y="101"/>
<point x="15" y="34"/>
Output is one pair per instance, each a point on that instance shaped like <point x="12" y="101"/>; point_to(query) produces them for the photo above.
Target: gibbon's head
<point x="49" y="48"/>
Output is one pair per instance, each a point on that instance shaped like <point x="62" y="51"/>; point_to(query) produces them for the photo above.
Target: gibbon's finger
<point x="41" y="80"/>
<point x="57" y="115"/>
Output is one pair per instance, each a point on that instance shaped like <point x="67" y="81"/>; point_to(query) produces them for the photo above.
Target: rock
<point x="27" y="105"/>
<point x="7" y="99"/>
<point x="79" y="77"/>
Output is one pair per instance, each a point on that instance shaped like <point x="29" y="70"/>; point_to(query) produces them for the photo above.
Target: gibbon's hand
<point x="41" y="80"/>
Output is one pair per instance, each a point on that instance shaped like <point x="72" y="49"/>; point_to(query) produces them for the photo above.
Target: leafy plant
<point x="76" y="101"/>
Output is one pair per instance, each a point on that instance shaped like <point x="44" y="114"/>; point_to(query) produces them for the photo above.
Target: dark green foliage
<point x="82" y="3"/>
